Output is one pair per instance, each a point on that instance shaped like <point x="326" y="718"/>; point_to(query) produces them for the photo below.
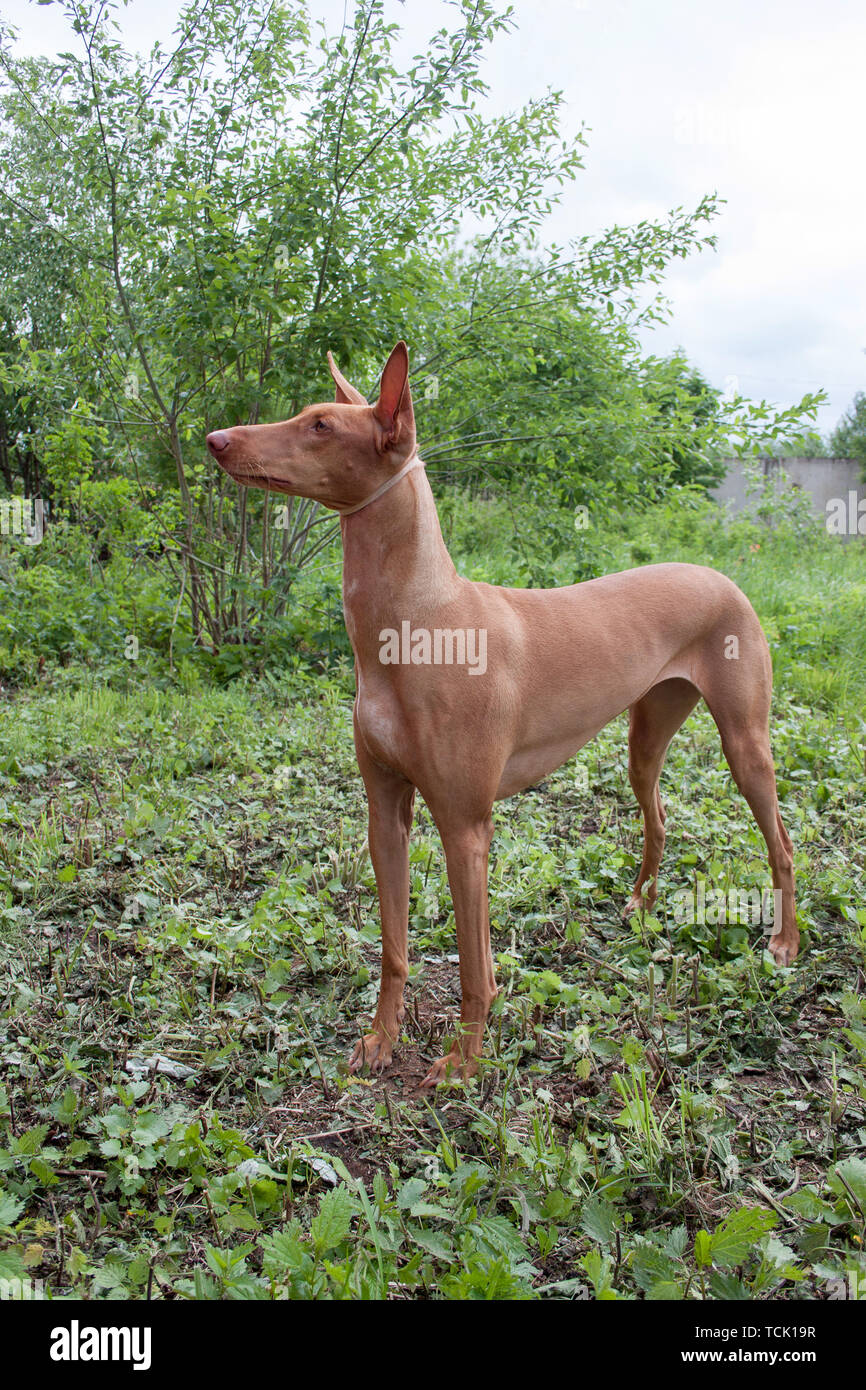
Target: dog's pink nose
<point x="218" y="441"/>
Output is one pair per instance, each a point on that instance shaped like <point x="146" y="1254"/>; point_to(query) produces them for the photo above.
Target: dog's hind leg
<point x="738" y="693"/>
<point x="746" y="746"/>
<point x="653" y="721"/>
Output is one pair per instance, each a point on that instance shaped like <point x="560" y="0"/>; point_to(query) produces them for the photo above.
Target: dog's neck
<point x="396" y="565"/>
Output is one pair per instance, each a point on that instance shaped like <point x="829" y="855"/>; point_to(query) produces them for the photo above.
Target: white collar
<point x="413" y="461"/>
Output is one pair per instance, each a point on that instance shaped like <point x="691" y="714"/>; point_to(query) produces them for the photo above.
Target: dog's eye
<point x="320" y="425"/>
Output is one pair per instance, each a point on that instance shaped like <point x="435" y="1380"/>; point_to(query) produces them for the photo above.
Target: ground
<point x="663" y="1112"/>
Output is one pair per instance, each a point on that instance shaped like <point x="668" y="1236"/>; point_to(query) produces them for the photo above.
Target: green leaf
<point x="10" y="1209"/>
<point x="650" y="1266"/>
<point x="206" y="1289"/>
<point x="807" y="1203"/>
<point x="780" y="1255"/>
<point x="676" y="1243"/>
<point x="665" y="1291"/>
<point x="600" y="1270"/>
<point x="599" y="1220"/>
<point x="434" y="1243"/>
<point x="853" y="1170"/>
<point x="284" y="1251"/>
<point x="31" y="1141"/>
<point x="500" y="1237"/>
<point x="12" y="1265"/>
<point x="410" y="1193"/>
<point x="43" y="1172"/>
<point x="738" y="1234"/>
<point x="727" y="1287"/>
<point x="331" y="1225"/>
<point x="703" y="1248"/>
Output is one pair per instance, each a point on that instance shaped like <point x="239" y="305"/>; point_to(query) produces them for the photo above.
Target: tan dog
<point x="469" y="693"/>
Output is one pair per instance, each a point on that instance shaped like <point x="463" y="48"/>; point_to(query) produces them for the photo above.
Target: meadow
<point x="189" y="944"/>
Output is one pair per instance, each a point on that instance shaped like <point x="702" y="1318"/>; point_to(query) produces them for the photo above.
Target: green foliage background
<point x="185" y="235"/>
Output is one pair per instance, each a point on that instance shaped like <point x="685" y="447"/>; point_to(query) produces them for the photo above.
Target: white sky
<point x="763" y="101"/>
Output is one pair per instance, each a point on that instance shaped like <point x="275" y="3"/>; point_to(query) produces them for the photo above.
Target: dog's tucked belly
<point x="528" y="766"/>
<point x="574" y="716"/>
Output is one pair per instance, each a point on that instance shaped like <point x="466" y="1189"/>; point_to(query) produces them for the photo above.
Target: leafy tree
<point x="193" y="229"/>
<point x="248" y="199"/>
<point x="848" y="440"/>
<point x="805" y="444"/>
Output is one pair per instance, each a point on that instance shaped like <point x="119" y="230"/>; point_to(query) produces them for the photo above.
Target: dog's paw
<point x="784" y="952"/>
<point x="451" y="1067"/>
<point x="374" y="1050"/>
<point x="637" y="903"/>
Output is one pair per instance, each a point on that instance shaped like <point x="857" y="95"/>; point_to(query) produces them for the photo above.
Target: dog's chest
<point x="381" y="722"/>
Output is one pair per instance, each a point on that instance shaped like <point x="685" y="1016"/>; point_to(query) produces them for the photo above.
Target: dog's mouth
<point x="252" y="472"/>
<point x="253" y="475"/>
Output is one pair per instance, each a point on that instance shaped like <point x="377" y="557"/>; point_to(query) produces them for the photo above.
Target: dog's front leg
<point x="467" y="847"/>
<point x="390" y="802"/>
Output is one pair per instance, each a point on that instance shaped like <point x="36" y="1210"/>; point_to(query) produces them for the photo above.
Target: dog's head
<point x="337" y="453"/>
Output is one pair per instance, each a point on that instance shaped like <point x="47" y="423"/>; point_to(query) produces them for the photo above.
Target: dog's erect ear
<point x="346" y="394"/>
<point x="393" y="409"/>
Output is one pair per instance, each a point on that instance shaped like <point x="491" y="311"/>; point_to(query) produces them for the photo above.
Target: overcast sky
<point x="762" y="101"/>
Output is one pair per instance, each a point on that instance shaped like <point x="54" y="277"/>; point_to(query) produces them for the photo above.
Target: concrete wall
<point x="828" y="482"/>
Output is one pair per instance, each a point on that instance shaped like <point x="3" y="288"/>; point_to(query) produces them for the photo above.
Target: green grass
<point x="662" y="1112"/>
